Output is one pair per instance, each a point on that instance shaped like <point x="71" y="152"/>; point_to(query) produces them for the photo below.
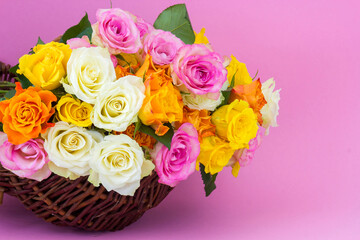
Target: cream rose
<point x="69" y="148"/>
<point x="200" y="102"/>
<point x="88" y="70"/>
<point x="118" y="163"/>
<point x="118" y="104"/>
<point x="206" y="101"/>
<point x="270" y="111"/>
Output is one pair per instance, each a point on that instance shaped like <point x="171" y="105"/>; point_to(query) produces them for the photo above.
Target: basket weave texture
<point x="78" y="203"/>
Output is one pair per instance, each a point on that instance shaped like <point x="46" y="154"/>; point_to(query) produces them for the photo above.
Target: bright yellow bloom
<point x="242" y="75"/>
<point x="74" y="111"/>
<point x="200" y="37"/>
<point x="236" y="123"/>
<point x="215" y="154"/>
<point x="47" y="66"/>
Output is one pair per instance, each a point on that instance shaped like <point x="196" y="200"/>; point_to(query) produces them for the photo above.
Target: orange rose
<point x="252" y="94"/>
<point x="141" y="138"/>
<point x="26" y="115"/>
<point x="122" y="71"/>
<point x="163" y="102"/>
<point x="201" y="121"/>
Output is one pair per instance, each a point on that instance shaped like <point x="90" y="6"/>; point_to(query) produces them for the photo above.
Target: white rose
<point x="271" y="109"/>
<point x="206" y="101"/>
<point x="118" y="163"/>
<point x="200" y="102"/>
<point x="118" y="104"/>
<point x="69" y="149"/>
<point x="88" y="70"/>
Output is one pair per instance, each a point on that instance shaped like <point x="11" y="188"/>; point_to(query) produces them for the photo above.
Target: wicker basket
<point x="78" y="203"/>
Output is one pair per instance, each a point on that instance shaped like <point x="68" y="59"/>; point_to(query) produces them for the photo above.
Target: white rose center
<point x="73" y="142"/>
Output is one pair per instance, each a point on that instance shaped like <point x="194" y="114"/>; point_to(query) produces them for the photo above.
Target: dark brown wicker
<point x="78" y="203"/>
<point x="5" y="75"/>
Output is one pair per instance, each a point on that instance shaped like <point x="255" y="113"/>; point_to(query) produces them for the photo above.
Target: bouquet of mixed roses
<point x="121" y="99"/>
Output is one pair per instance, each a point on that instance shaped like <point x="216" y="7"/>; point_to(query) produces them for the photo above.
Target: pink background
<point x="304" y="182"/>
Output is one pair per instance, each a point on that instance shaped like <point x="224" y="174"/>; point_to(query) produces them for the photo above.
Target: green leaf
<point x="25" y="83"/>
<point x="176" y="19"/>
<point x="83" y="28"/>
<point x="226" y="93"/>
<point x="10" y="94"/>
<point x="144" y="77"/>
<point x="166" y="139"/>
<point x="14" y="69"/>
<point x="257" y="71"/>
<point x="59" y="92"/>
<point x="208" y="180"/>
<point x="232" y="81"/>
<point x="119" y="56"/>
<point x="41" y="42"/>
<point x="137" y="126"/>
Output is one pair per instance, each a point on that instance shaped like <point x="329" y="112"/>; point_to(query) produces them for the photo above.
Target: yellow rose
<point x="200" y="37"/>
<point x="215" y="154"/>
<point x="47" y="66"/>
<point x="236" y="123"/>
<point x="74" y="111"/>
<point x="242" y="76"/>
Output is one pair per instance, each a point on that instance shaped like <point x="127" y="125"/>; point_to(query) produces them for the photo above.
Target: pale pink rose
<point x="199" y="70"/>
<point x="27" y="160"/>
<point x="143" y="27"/>
<point x="245" y="156"/>
<point x="176" y="164"/>
<point x="115" y="29"/>
<point x="162" y="46"/>
<point x="75" y="43"/>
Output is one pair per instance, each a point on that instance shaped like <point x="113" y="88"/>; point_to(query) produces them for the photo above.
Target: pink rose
<point x="116" y="30"/>
<point x="143" y="27"/>
<point x="162" y="46"/>
<point x="28" y="160"/>
<point x="245" y="156"/>
<point x="176" y="164"/>
<point x="199" y="69"/>
<point x="75" y="43"/>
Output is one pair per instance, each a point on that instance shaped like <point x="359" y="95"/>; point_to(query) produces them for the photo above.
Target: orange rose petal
<point x="201" y="120"/>
<point x="18" y="89"/>
<point x="122" y="71"/>
<point x="14" y="137"/>
<point x="35" y="132"/>
<point x="252" y="94"/>
<point x="160" y="129"/>
<point x="47" y="97"/>
<point x="3" y="106"/>
<point x="141" y="138"/>
<point x="144" y="68"/>
<point x="45" y="126"/>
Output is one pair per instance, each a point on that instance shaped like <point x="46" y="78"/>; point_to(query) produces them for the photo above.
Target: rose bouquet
<point x="119" y="100"/>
